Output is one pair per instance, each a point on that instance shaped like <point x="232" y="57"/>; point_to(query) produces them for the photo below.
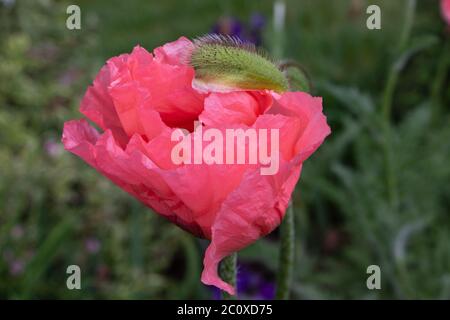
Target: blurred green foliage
<point x="377" y="192"/>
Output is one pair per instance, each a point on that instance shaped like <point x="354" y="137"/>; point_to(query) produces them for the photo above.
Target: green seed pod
<point x="296" y="75"/>
<point x="227" y="63"/>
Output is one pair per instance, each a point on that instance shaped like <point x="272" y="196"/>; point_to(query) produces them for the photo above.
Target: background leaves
<point x="56" y="211"/>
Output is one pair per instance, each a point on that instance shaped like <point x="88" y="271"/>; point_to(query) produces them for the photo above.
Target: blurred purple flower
<point x="251" y="32"/>
<point x="69" y="76"/>
<point x="267" y="291"/>
<point x="257" y="24"/>
<point x="257" y="21"/>
<point x="229" y="26"/>
<point x="16" y="267"/>
<point x="92" y="245"/>
<point x="247" y="279"/>
<point x="53" y="148"/>
<point x="252" y="283"/>
<point x="216" y="293"/>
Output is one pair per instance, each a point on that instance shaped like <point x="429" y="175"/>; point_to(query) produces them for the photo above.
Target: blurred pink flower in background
<point x="445" y="10"/>
<point x="52" y="148"/>
<point x="139" y="99"/>
<point x="92" y="245"/>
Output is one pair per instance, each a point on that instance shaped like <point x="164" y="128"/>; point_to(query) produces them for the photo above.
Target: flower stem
<point x="228" y="273"/>
<point x="286" y="260"/>
<point x="386" y="107"/>
<point x="439" y="80"/>
<point x="287" y="229"/>
<point x="407" y="24"/>
<point x="394" y="72"/>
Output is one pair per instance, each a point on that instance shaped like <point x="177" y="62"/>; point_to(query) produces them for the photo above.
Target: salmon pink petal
<point x="264" y="99"/>
<point x="203" y="188"/>
<point x="131" y="170"/>
<point x="126" y="90"/>
<point x="79" y="138"/>
<point x="172" y="94"/>
<point x="154" y="125"/>
<point x="289" y="132"/>
<point x="159" y="150"/>
<point x="139" y="82"/>
<point x="97" y="106"/>
<point x="250" y="212"/>
<point x="175" y="52"/>
<point x="313" y="123"/>
<point x="131" y="86"/>
<point x="136" y="174"/>
<point x="237" y="107"/>
<point x="128" y="99"/>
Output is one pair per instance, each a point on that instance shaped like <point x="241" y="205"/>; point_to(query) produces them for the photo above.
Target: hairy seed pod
<point x="226" y="63"/>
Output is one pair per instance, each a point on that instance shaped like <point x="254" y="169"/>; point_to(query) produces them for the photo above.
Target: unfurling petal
<point x="250" y="212"/>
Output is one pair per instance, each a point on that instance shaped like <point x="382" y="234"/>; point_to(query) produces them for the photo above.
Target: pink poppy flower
<point x="445" y="10"/>
<point x="139" y="99"/>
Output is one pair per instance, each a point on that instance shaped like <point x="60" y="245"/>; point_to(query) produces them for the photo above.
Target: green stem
<point x="386" y="107"/>
<point x="391" y="83"/>
<point x="407" y="25"/>
<point x="395" y="69"/>
<point x="286" y="260"/>
<point x="287" y="230"/>
<point x="228" y="272"/>
<point x="439" y="80"/>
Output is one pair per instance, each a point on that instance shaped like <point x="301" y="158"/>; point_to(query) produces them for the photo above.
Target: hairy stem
<point x="286" y="260"/>
<point x="228" y="272"/>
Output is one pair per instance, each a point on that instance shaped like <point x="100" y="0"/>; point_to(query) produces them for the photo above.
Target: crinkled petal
<point x="313" y="123"/>
<point x="125" y="88"/>
<point x="79" y="138"/>
<point x="203" y="188"/>
<point x="289" y="132"/>
<point x="250" y="212"/>
<point x="97" y="106"/>
<point x="131" y="170"/>
<point x="238" y="107"/>
<point x="139" y="84"/>
<point x="175" y="53"/>
<point x="131" y="88"/>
